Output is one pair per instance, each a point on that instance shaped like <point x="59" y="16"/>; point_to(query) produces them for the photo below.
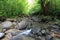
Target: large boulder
<point x="23" y="24"/>
<point x="6" y="24"/>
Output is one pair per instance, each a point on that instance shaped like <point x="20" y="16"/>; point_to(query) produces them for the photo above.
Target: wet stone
<point x="14" y="32"/>
<point x="7" y="36"/>
<point x="26" y="32"/>
<point x="49" y="37"/>
<point x="38" y="38"/>
<point x="35" y="31"/>
<point x="53" y="27"/>
<point x="2" y="35"/>
<point x="22" y="25"/>
<point x="43" y="32"/>
<point x="17" y="38"/>
<point x="21" y="37"/>
<point x="42" y="38"/>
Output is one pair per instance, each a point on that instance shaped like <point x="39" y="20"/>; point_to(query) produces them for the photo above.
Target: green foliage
<point x="54" y="8"/>
<point x="10" y="8"/>
<point x="31" y="7"/>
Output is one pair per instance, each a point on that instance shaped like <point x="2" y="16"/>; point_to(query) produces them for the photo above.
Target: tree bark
<point x="42" y="7"/>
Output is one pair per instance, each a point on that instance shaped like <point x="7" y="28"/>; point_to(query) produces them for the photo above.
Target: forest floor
<point x="30" y="28"/>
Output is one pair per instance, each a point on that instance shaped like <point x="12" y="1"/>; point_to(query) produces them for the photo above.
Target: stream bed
<point x="29" y="28"/>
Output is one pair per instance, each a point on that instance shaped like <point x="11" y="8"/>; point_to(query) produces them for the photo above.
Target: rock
<point x="35" y="31"/>
<point x="17" y="38"/>
<point x="21" y="37"/>
<point x="42" y="38"/>
<point x="49" y="37"/>
<point x="14" y="23"/>
<point x="56" y="38"/>
<point x="6" y="25"/>
<point x="12" y="20"/>
<point x="35" y="19"/>
<point x="2" y="35"/>
<point x="39" y="34"/>
<point x="3" y="30"/>
<point x="53" y="27"/>
<point x="43" y="31"/>
<point x="14" y="32"/>
<point x="22" y="25"/>
<point x="55" y="34"/>
<point x="7" y="36"/>
<point x="38" y="38"/>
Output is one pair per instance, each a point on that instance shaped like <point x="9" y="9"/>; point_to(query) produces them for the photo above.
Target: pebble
<point x="36" y="19"/>
<point x="43" y="31"/>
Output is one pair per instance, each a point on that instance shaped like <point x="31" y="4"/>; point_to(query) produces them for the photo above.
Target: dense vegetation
<point x="13" y="8"/>
<point x="16" y="7"/>
<point x="54" y="8"/>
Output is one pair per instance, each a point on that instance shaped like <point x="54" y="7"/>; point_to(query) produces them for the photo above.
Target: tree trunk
<point x="42" y="7"/>
<point x="45" y="7"/>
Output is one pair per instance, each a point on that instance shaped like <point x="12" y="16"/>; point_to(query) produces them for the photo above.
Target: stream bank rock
<point x="6" y="24"/>
<point x="11" y="20"/>
<point x="49" y="37"/>
<point x="13" y="32"/>
<point x="35" y="19"/>
<point x="2" y="35"/>
<point x="35" y="31"/>
<point x="7" y="36"/>
<point x="23" y="24"/>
